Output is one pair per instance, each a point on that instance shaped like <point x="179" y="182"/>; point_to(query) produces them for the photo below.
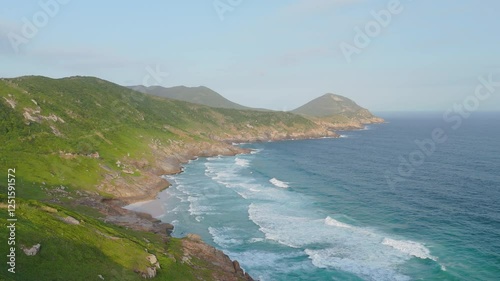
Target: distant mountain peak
<point x="199" y="95"/>
<point x="337" y="98"/>
<point x="328" y="105"/>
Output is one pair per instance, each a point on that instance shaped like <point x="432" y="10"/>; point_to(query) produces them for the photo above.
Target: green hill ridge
<point x="337" y="112"/>
<point x="329" y="105"/>
<point x="199" y="95"/>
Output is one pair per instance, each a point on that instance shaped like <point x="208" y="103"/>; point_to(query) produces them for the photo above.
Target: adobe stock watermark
<point x="11" y="220"/>
<point x="156" y="74"/>
<point x="31" y="26"/>
<point x="454" y="118"/>
<point x="222" y="7"/>
<point x="363" y="36"/>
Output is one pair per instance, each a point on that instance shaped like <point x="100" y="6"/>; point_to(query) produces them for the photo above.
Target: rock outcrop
<point x="31" y="251"/>
<point x="225" y="268"/>
<point x="70" y="220"/>
<point x="150" y="273"/>
<point x="153" y="260"/>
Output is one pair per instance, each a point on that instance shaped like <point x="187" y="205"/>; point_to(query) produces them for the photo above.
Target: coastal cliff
<point x="82" y="145"/>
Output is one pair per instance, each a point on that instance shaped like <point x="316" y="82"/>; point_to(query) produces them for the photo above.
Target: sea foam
<point x="286" y="217"/>
<point x="334" y="222"/>
<point x="223" y="236"/>
<point x="242" y="162"/>
<point x="256" y="151"/>
<point x="333" y="244"/>
<point x="278" y="183"/>
<point x="409" y="247"/>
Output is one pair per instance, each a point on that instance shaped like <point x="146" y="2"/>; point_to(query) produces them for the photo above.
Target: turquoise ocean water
<point x="325" y="210"/>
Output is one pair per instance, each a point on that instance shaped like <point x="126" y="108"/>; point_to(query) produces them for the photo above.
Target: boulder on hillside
<point x="70" y="220"/>
<point x="31" y="251"/>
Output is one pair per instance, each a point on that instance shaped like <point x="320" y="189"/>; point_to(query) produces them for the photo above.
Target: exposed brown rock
<point x="222" y="266"/>
<point x="168" y="159"/>
<point x="237" y="268"/>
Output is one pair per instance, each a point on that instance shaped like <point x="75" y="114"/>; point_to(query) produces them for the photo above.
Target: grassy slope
<point x="107" y="118"/>
<point x="82" y="252"/>
<point x="116" y="122"/>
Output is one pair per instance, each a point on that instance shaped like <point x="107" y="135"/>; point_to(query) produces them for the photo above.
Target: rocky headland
<point x="87" y="144"/>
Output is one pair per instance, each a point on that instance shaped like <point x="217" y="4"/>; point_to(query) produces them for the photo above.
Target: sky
<point x="387" y="55"/>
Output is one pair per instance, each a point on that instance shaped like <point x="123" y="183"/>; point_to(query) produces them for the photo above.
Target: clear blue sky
<point x="272" y="54"/>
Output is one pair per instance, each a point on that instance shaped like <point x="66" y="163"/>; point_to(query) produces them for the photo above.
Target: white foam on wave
<point x="376" y="270"/>
<point x="214" y="158"/>
<point x="267" y="263"/>
<point x="196" y="208"/>
<point x="287" y="218"/>
<point x="227" y="175"/>
<point x="333" y="222"/>
<point x="409" y="247"/>
<point x="223" y="236"/>
<point x="278" y="183"/>
<point x="256" y="151"/>
<point x="242" y="162"/>
<point x="182" y="193"/>
<point x="248" y="188"/>
<point x="343" y="136"/>
<point x="330" y="243"/>
<point x="171" y="179"/>
<point x="255" y="240"/>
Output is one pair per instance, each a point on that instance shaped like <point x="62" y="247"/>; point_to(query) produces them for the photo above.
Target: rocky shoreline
<point x="169" y="160"/>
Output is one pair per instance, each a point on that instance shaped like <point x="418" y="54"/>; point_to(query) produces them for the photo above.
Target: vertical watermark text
<point x="11" y="220"/>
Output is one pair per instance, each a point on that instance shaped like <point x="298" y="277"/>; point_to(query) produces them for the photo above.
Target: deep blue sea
<point x="351" y="208"/>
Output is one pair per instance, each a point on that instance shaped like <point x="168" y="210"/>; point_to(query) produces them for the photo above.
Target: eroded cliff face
<point x="140" y="179"/>
<point x="356" y="124"/>
<point x="225" y="269"/>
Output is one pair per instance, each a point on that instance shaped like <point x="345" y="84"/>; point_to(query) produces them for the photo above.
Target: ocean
<point x="416" y="198"/>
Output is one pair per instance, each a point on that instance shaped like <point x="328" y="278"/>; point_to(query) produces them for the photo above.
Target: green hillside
<point x="92" y="248"/>
<point x="51" y="128"/>
<point x="82" y="147"/>
<point x="199" y="95"/>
